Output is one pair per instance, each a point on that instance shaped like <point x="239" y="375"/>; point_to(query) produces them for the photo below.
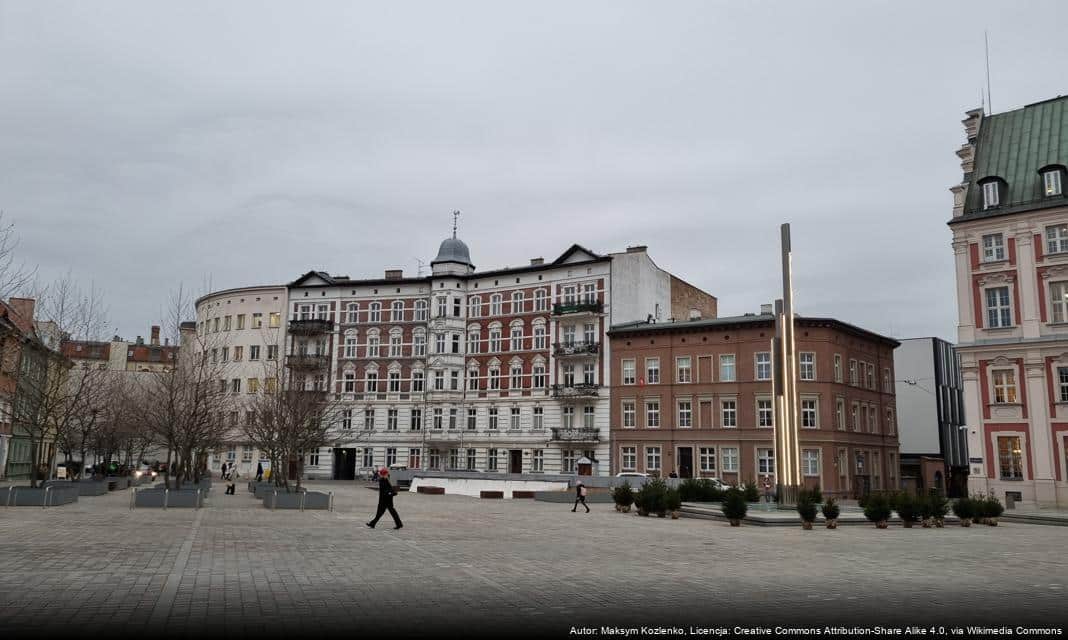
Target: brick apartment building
<point x="122" y="355"/>
<point x="694" y="398"/>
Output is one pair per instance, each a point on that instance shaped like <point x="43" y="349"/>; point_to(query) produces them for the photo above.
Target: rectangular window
<point x="1057" y="238"/>
<point x="257" y="320"/>
<point x="368" y="457"/>
<point x="853" y="372"/>
<point x="652" y="458"/>
<point x="391" y="420"/>
<point x="513" y="422"/>
<point x="765" y="461"/>
<point x="765" y="413"/>
<point x="628" y="414"/>
<point x="539" y="418"/>
<point x="226" y="323"/>
<point x="346" y="419"/>
<point x="568" y="417"/>
<point x="729" y="459"/>
<point x="628" y="371"/>
<point x="1058" y="293"/>
<point x="371" y="382"/>
<point x="538" y="377"/>
<point x="239" y="354"/>
<point x="990" y="194"/>
<point x="809" y="419"/>
<point x="516" y="380"/>
<point x="415" y="458"/>
<point x="763" y="366"/>
<point x="628" y="458"/>
<point x="838" y="368"/>
<point x="588" y="417"/>
<point x="368" y="419"/>
<point x="1062" y="383"/>
<point x="1051" y="182"/>
<point x="275" y="320"/>
<point x="729" y="411"/>
<point x="417" y="381"/>
<point x="452" y="419"/>
<point x="726" y="368"/>
<point x="253" y="385"/>
<point x="810" y="462"/>
<point x="391" y="456"/>
<point x="435" y="459"/>
<point x="652" y="371"/>
<point x="993" y="247"/>
<point x="254" y="352"/>
<point x="589" y="374"/>
<point x="415" y="422"/>
<point x="808" y="366"/>
<point x="839" y="414"/>
<point x="685" y="414"/>
<point x="1010" y="458"/>
<point x="708" y="459"/>
<point x="537" y="460"/>
<point x="419" y="345"/>
<point x="683" y="373"/>
<point x="491" y="460"/>
<point x="1004" y="386"/>
<point x="235" y="385"/>
<point x="495" y="379"/>
<point x="652" y="414"/>
<point x="472" y="419"/>
<point x="516" y="339"/>
<point x="472" y="455"/>
<point x="493" y="418"/>
<point x="454" y="458"/>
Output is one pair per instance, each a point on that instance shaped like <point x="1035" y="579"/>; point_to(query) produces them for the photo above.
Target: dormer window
<point x="993" y="189"/>
<point x="1052" y="180"/>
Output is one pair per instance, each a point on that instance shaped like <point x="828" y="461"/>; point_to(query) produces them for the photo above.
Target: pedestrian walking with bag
<point x="385" y="500"/>
<point x="231" y="480"/>
<point x="259" y="472"/>
<point x="580" y="496"/>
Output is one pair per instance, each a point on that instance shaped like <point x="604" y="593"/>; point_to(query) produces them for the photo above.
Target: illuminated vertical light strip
<point x="795" y="401"/>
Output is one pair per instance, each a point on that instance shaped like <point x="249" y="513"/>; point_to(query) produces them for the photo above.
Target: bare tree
<point x="15" y="276"/>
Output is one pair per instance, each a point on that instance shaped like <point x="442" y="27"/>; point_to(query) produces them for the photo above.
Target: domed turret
<point x="453" y="255"/>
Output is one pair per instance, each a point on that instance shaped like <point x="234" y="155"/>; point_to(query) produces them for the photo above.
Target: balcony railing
<point x="582" y="434"/>
<point x="307" y="361"/>
<point x="577" y="391"/>
<point x="310" y="326"/>
<point x="578" y="307"/>
<point x="576" y="349"/>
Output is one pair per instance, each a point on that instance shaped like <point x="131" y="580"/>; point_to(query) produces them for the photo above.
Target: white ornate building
<point x="502" y="370"/>
<point x="1010" y="238"/>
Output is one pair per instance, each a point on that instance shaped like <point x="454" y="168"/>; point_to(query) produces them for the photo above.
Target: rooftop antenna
<point x="989" y="98"/>
<point x="455" y="216"/>
<point x="420" y="268"/>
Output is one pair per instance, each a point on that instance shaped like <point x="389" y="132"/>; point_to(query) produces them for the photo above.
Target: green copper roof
<point x="1013" y="146"/>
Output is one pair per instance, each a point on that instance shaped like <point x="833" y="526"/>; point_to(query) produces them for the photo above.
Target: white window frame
<point x="1051" y="182"/>
<point x="810" y="413"/>
<point x="1005" y="390"/>
<point x="728" y="459"/>
<point x="652" y="370"/>
<point x="652" y="414"/>
<point x="707" y="459"/>
<point x="629" y="412"/>
<point x="685" y="414"/>
<point x="807" y="367"/>
<point x="991" y="194"/>
<point x="762" y="365"/>
<point x="993" y="245"/>
<point x="683" y="370"/>
<point x="1057" y="238"/>
<point x="629" y="371"/>
<point x="765" y="414"/>
<point x="998" y="314"/>
<point x="628" y="458"/>
<point x="810" y="463"/>
<point x="653" y="458"/>
<point x="728" y="413"/>
<point x="728" y="367"/>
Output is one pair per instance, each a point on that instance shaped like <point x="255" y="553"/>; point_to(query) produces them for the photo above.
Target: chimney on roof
<point x="140" y="340"/>
<point x="695" y="314"/>
<point x="638" y="248"/>
<point x="394" y="274"/>
<point x="166" y="342"/>
<point x="534" y="262"/>
<point x="765" y="310"/>
<point x="24" y="309"/>
<point x="155" y="335"/>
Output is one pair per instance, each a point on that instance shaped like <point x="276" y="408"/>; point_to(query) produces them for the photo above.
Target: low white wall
<point x="473" y="486"/>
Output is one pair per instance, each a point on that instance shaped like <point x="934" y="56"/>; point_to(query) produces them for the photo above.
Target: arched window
<point x="353" y="312"/>
<point x="541" y="339"/>
<point x="495" y="305"/>
<point x="541" y="300"/>
<point x="474" y="307"/>
<point x="396" y="336"/>
<point x="473" y="338"/>
<point x="517" y="302"/>
<point x="376" y="312"/>
<point x="419" y="343"/>
<point x="351" y="340"/>
<point x="372" y="343"/>
<point x="420" y="310"/>
<point x="396" y="313"/>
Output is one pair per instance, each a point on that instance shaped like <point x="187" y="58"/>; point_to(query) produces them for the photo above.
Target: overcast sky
<point x="243" y="143"/>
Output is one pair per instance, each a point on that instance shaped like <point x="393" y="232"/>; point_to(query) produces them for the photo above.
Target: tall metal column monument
<point x="784" y="384"/>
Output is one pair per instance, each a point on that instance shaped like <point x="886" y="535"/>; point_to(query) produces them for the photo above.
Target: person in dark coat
<point x="580" y="496"/>
<point x="385" y="500"/>
<point x="259" y="472"/>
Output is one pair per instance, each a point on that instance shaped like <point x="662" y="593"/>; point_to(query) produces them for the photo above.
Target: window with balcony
<point x="589" y="374"/>
<point x="569" y="295"/>
<point x="569" y="335"/>
<point x="1004" y="386"/>
<point x="589" y="333"/>
<point x="1010" y="458"/>
<point x="569" y="375"/>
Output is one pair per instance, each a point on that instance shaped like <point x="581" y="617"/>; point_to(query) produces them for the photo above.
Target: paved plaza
<point x="496" y="566"/>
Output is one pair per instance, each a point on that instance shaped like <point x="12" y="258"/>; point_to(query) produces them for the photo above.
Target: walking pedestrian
<point x="231" y="479"/>
<point x="259" y="472"/>
<point x="767" y="489"/>
<point x="580" y="496"/>
<point x="385" y="500"/>
<point x="222" y="472"/>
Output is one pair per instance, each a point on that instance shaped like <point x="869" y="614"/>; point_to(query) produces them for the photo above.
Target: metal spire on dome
<point x="455" y="216"/>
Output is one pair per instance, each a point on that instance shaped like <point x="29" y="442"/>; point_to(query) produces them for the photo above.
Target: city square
<point x="513" y="566"/>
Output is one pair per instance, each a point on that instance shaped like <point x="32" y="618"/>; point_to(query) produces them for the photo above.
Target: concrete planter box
<point x="90" y="488"/>
<point x="167" y="499"/>
<point x="436" y="491"/>
<point x="49" y="496"/>
<point x="499" y="495"/>
<point x="264" y="489"/>
<point x="117" y="483"/>
<point x="529" y="495"/>
<point x="303" y="501"/>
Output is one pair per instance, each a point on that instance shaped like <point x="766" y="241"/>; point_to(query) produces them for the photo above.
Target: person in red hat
<point x="385" y="500"/>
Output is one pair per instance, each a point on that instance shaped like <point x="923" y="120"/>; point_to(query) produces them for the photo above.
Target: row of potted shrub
<point x="930" y="510"/>
<point x="703" y="490"/>
<point x="978" y="509"/>
<point x="653" y="497"/>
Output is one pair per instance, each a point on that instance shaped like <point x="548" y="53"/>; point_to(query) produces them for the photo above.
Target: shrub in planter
<point x="877" y="509"/>
<point x="650" y="498"/>
<point x="830" y="513"/>
<point x="673" y="502"/>
<point x="926" y="510"/>
<point x="690" y="490"/>
<point x="991" y="509"/>
<point x="938" y="506"/>
<point x="623" y="496"/>
<point x="815" y="494"/>
<point x="807" y="510"/>
<point x="734" y="506"/>
<point x="908" y="508"/>
<point x="752" y="494"/>
<point x="964" y="508"/>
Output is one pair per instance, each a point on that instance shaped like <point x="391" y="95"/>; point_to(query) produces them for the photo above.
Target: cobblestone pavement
<point x="492" y="565"/>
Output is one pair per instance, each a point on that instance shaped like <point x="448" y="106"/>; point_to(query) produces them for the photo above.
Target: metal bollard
<point x="133" y="498"/>
<point x="331" y="501"/>
<point x="166" y="497"/>
<point x="44" y="502"/>
<point x="302" y="495"/>
<point x="198" y="499"/>
<point x="9" y="491"/>
<point x="274" y="500"/>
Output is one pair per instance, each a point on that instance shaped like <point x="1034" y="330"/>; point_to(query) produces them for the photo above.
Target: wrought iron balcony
<point x="307" y="361"/>
<point x="576" y="349"/>
<point x="577" y="391"/>
<point x="578" y="307"/>
<point x="310" y="326"/>
<point x="575" y="435"/>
